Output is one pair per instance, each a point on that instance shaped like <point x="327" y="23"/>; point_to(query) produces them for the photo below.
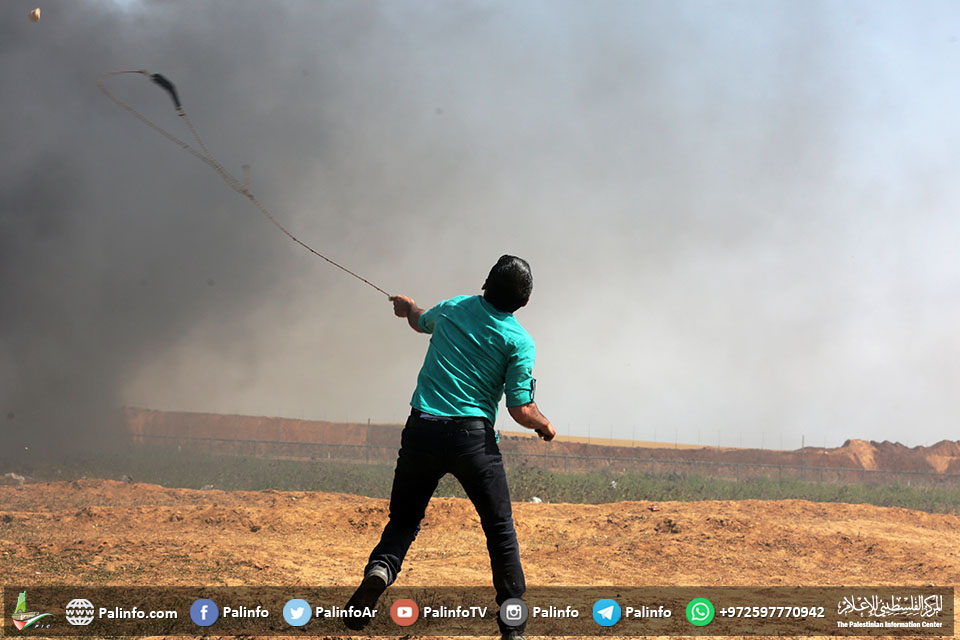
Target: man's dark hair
<point x="509" y="284"/>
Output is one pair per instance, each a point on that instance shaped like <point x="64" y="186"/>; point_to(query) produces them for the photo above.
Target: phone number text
<point x="772" y="612"/>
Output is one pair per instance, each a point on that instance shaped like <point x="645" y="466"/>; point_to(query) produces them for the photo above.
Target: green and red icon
<point x="22" y="618"/>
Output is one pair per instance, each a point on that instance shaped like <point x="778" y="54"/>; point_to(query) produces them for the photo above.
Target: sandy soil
<point x="103" y="532"/>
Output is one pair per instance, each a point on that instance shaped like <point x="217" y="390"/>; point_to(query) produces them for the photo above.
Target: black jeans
<point x="429" y="449"/>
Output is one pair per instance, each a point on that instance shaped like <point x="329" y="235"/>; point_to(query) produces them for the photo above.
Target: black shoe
<point x="365" y="597"/>
<point x="513" y="635"/>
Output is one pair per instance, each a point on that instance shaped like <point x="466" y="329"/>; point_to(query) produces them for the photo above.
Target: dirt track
<point x="102" y="532"/>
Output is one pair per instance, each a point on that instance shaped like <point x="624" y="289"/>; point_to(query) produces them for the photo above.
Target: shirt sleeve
<point x="520" y="384"/>
<point x="428" y="319"/>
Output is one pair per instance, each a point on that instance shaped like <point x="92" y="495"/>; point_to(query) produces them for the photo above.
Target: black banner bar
<point x="78" y="611"/>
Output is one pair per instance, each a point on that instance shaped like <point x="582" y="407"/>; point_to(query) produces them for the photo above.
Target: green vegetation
<point x="600" y="487"/>
<point x="197" y="469"/>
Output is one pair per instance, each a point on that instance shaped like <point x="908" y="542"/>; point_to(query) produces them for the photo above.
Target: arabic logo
<point x="876" y="607"/>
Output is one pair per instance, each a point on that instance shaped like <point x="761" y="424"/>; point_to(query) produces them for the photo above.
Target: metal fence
<point x="373" y="454"/>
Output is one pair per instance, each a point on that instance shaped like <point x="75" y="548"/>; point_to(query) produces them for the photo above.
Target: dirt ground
<point x="101" y="532"/>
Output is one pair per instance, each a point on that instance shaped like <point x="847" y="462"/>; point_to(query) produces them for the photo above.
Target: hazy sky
<point x="741" y="216"/>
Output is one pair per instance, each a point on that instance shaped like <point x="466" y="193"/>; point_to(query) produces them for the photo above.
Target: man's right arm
<point x="529" y="416"/>
<point x="404" y="307"/>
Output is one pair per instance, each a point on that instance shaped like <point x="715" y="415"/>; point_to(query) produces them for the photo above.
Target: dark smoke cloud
<point x="740" y="217"/>
<point x="113" y="244"/>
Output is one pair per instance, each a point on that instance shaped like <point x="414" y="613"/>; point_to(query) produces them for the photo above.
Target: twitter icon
<point x="606" y="612"/>
<point x="296" y="612"/>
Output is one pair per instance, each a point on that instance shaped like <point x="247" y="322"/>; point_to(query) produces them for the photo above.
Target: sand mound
<point x="862" y="452"/>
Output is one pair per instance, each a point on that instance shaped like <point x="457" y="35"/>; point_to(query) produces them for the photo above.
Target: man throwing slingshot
<point x="478" y="353"/>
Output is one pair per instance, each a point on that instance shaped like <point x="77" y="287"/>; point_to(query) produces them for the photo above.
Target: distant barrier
<point x="380" y="454"/>
<point x="735" y="470"/>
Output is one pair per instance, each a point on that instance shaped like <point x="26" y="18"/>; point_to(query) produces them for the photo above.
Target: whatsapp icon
<point x="700" y="612"/>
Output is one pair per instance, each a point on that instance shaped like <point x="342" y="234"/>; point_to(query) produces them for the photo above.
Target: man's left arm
<point x="529" y="416"/>
<point x="520" y="388"/>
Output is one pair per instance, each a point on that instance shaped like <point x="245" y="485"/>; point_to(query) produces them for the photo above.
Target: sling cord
<point x="205" y="156"/>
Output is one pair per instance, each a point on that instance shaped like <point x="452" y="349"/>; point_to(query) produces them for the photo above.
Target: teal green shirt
<point x="476" y="354"/>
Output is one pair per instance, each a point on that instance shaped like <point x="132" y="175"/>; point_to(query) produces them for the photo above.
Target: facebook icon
<point x="204" y="612"/>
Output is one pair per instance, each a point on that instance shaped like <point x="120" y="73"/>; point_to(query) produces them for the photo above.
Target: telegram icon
<point x="606" y="612"/>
